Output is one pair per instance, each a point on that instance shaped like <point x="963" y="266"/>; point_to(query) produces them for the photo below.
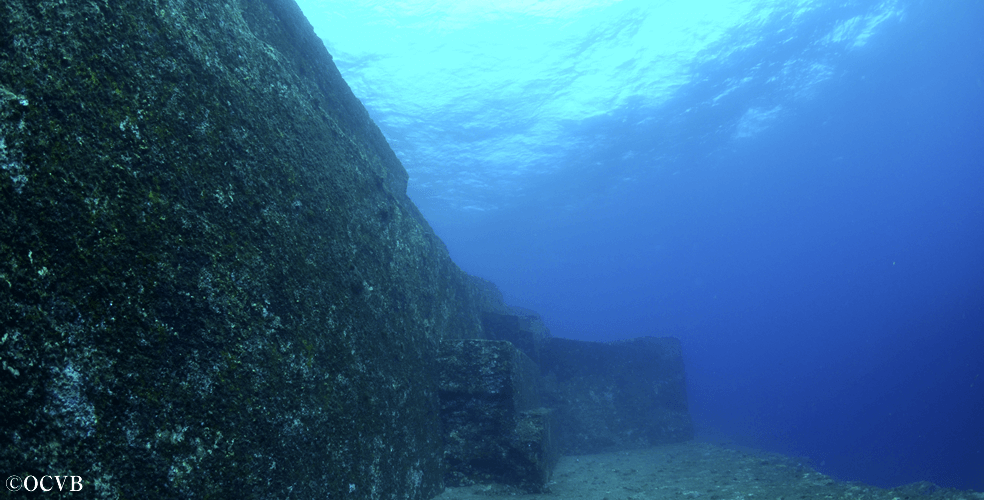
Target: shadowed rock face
<point x="616" y="395"/>
<point x="211" y="280"/>
<point x="494" y="427"/>
<point x="505" y="418"/>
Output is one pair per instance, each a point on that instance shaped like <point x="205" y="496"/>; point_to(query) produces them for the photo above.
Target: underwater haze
<point x="794" y="189"/>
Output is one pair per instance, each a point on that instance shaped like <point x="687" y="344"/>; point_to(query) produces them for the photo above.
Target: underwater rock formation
<point x="522" y="327"/>
<point x="212" y="283"/>
<point x="494" y="427"/>
<point x="615" y="396"/>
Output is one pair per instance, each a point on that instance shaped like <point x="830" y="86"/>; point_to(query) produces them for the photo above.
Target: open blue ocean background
<point x="795" y="189"/>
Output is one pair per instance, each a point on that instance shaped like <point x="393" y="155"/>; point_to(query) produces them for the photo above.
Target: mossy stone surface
<point x="212" y="283"/>
<point x="494" y="428"/>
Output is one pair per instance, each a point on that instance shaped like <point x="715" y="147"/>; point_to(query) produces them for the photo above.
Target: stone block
<point x="523" y="327"/>
<point x="492" y="422"/>
<point x="615" y="396"/>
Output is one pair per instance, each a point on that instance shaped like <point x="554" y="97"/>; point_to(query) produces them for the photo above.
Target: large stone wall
<point x="212" y="283"/>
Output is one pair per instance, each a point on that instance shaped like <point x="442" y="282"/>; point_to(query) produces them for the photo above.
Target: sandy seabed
<point x="703" y="471"/>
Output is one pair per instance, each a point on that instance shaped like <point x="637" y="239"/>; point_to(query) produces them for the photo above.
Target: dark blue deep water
<point x="793" y="189"/>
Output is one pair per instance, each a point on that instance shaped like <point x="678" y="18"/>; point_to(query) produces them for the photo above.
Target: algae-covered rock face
<point x="212" y="283"/>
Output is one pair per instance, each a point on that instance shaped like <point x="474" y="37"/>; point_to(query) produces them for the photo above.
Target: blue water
<point x="793" y="189"/>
